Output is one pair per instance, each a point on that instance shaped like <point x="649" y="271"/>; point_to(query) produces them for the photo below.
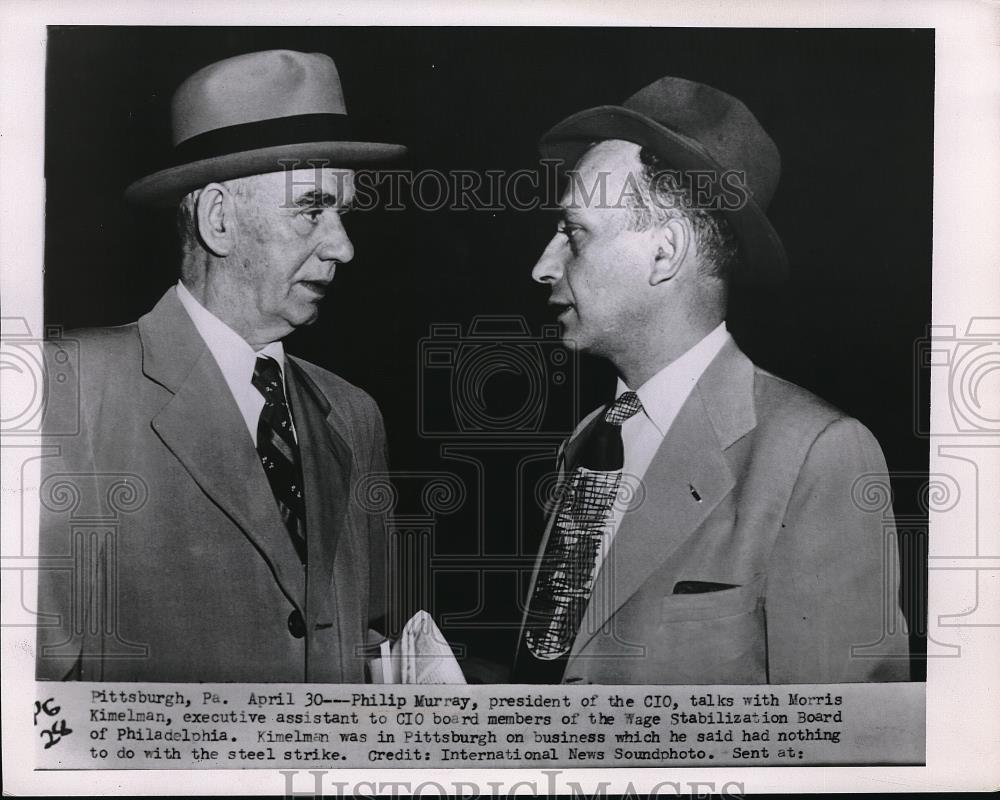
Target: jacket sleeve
<point x="379" y="575"/>
<point x="66" y="567"/>
<point x="832" y="606"/>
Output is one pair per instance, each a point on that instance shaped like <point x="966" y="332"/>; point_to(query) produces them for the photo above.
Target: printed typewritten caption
<point x="163" y="726"/>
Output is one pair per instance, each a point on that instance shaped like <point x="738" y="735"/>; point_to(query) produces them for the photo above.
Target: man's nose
<point x="549" y="268"/>
<point x="336" y="244"/>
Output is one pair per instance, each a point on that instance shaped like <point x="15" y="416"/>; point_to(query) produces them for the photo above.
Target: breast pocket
<point x="714" y="637"/>
<point x="712" y="605"/>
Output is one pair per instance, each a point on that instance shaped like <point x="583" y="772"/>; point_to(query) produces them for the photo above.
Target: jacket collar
<point x="201" y="424"/>
<point x="171" y="345"/>
<point x="327" y="470"/>
<point x="686" y="480"/>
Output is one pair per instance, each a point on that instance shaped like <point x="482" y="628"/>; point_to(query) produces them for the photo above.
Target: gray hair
<point x="664" y="194"/>
<point x="187" y="224"/>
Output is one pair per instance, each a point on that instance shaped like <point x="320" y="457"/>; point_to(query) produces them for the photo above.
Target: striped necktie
<point x="566" y="577"/>
<point x="279" y="452"/>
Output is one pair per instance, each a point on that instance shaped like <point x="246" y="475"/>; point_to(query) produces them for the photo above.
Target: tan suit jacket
<point x="753" y="488"/>
<point x="164" y="557"/>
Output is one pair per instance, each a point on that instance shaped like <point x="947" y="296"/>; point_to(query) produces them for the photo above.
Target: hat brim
<point x="168" y="186"/>
<point x="764" y="259"/>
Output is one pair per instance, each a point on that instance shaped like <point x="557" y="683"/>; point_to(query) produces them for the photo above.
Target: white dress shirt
<point x="642" y="434"/>
<point x="235" y="357"/>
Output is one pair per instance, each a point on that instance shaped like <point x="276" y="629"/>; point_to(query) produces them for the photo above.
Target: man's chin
<point x="307" y="319"/>
<point x="302" y="316"/>
<point x="571" y="339"/>
<point x="307" y="311"/>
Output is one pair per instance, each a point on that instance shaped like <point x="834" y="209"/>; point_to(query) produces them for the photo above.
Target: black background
<point x="850" y="110"/>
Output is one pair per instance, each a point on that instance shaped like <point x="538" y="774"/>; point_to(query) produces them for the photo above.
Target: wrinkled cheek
<point x="274" y="298"/>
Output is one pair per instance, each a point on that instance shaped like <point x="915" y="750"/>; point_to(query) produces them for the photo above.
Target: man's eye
<point x="570" y="232"/>
<point x="313" y="214"/>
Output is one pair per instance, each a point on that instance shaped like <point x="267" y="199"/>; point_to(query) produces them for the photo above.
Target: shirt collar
<point x="234" y="355"/>
<point x="663" y="394"/>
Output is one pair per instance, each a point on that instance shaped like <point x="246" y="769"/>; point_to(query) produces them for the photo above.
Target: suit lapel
<point x="202" y="426"/>
<point x="690" y="461"/>
<point x="326" y="468"/>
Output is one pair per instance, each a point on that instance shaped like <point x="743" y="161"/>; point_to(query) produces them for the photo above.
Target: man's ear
<point x="215" y="211"/>
<point x="672" y="240"/>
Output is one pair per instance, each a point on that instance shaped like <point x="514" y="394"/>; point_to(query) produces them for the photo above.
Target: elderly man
<point x="705" y="532"/>
<point x="224" y="467"/>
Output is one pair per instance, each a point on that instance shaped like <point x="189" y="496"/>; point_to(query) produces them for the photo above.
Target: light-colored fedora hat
<point x="248" y="114"/>
<point x="691" y="126"/>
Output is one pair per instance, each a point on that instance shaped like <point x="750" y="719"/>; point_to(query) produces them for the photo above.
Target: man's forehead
<point x="601" y="174"/>
<point x="294" y="184"/>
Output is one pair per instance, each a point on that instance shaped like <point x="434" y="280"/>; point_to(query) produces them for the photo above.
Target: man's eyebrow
<point x="317" y="199"/>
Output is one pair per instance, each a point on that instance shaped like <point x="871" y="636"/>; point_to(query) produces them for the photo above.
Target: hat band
<point x="275" y="132"/>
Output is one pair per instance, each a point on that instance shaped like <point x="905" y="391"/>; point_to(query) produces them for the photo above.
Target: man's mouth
<point x="559" y="308"/>
<point x="316" y="287"/>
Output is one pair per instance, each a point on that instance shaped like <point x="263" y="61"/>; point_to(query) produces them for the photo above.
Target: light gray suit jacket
<point x="753" y="487"/>
<point x="164" y="557"/>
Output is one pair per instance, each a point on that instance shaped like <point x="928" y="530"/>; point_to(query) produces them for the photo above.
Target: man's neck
<point x="638" y="366"/>
<point x="228" y="314"/>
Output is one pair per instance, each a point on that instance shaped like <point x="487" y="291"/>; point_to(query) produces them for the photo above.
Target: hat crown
<point x="255" y="87"/>
<point x="254" y="114"/>
<point x="717" y="123"/>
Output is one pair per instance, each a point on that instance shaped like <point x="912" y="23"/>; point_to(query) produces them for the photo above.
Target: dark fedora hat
<point x="691" y="126"/>
<point x="248" y="114"/>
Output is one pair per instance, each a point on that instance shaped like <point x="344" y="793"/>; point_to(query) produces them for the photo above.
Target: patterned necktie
<point x="567" y="574"/>
<point x="279" y="452"/>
